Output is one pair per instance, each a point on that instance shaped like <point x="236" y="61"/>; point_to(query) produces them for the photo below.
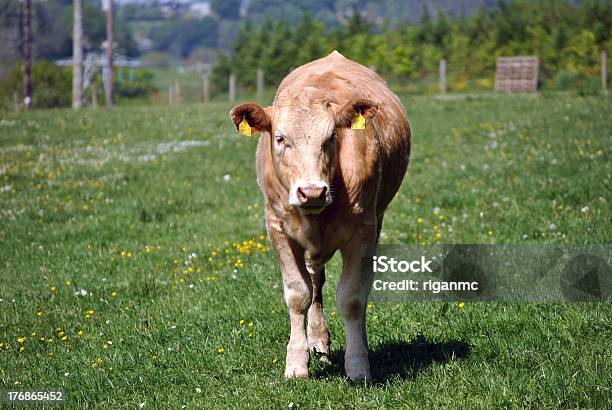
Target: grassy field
<point x="134" y="271"/>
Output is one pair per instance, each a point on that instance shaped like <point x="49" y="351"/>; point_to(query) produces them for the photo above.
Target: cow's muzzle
<point x="311" y="197"/>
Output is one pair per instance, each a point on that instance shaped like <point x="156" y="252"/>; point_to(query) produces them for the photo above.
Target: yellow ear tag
<point x="244" y="128"/>
<point x="358" y="122"/>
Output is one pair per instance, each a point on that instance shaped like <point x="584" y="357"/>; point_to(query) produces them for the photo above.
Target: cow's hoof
<point x="297" y="363"/>
<point x="321" y="350"/>
<point x="323" y="358"/>
<point x="362" y="376"/>
<point x="296" y="372"/>
<point x="358" y="369"/>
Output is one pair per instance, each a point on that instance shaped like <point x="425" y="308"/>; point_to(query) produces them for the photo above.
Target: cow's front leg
<point x="317" y="331"/>
<point x="351" y="298"/>
<point x="298" y="295"/>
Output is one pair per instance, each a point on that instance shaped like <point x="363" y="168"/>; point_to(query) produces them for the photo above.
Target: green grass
<point x="91" y="201"/>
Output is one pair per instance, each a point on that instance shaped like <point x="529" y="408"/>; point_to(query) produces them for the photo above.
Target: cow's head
<point x="303" y="132"/>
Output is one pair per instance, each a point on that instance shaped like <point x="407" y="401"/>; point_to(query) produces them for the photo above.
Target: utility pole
<point x="442" y="74"/>
<point x="260" y="84"/>
<point x="27" y="81"/>
<point x="77" y="56"/>
<point x="109" y="52"/>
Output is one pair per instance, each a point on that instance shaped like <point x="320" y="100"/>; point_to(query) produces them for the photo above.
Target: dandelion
<point x="490" y="232"/>
<point x="275" y="360"/>
<point x="419" y="221"/>
<point x="53" y="289"/>
<point x="22" y="339"/>
<point x="251" y="324"/>
<point x="22" y="348"/>
<point x="370" y="305"/>
<point x="64" y="338"/>
<point x="461" y="305"/>
<point x="221" y="349"/>
<point x="67" y="282"/>
<point x="80" y="333"/>
<point x="114" y="294"/>
<point x="39" y="313"/>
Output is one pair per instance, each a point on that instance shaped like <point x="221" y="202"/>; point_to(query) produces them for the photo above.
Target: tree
<point x="77" y="56"/>
<point x="109" y="53"/>
<point x="27" y="86"/>
<point x="227" y="9"/>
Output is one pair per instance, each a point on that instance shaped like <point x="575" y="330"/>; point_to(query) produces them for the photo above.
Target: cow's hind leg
<point x="317" y="330"/>
<point x="351" y="298"/>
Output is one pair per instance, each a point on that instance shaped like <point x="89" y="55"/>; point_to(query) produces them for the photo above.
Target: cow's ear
<point x="250" y="118"/>
<point x="356" y="114"/>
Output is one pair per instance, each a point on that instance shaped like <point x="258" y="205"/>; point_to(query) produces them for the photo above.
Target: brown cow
<point x="327" y="181"/>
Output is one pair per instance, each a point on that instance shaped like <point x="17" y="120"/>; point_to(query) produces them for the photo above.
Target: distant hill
<point x="180" y="28"/>
<point x="329" y="11"/>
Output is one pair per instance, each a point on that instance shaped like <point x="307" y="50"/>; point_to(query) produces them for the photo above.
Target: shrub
<point x="51" y="85"/>
<point x="140" y="85"/>
<point x="567" y="80"/>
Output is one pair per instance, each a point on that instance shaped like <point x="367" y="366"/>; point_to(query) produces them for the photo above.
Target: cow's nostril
<point x="301" y="195"/>
<point x="323" y="193"/>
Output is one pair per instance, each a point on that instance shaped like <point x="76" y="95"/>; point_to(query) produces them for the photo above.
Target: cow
<point x="333" y="151"/>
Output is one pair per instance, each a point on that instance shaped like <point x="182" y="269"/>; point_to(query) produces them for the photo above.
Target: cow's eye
<point x="280" y="139"/>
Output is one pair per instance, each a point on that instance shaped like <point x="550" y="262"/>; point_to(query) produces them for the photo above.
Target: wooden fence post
<point x="206" y="88"/>
<point x="232" y="87"/>
<point x="442" y="74"/>
<point x="604" y="71"/>
<point x="177" y="92"/>
<point x="260" y="84"/>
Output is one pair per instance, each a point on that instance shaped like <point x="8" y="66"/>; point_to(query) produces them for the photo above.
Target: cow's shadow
<point x="398" y="359"/>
